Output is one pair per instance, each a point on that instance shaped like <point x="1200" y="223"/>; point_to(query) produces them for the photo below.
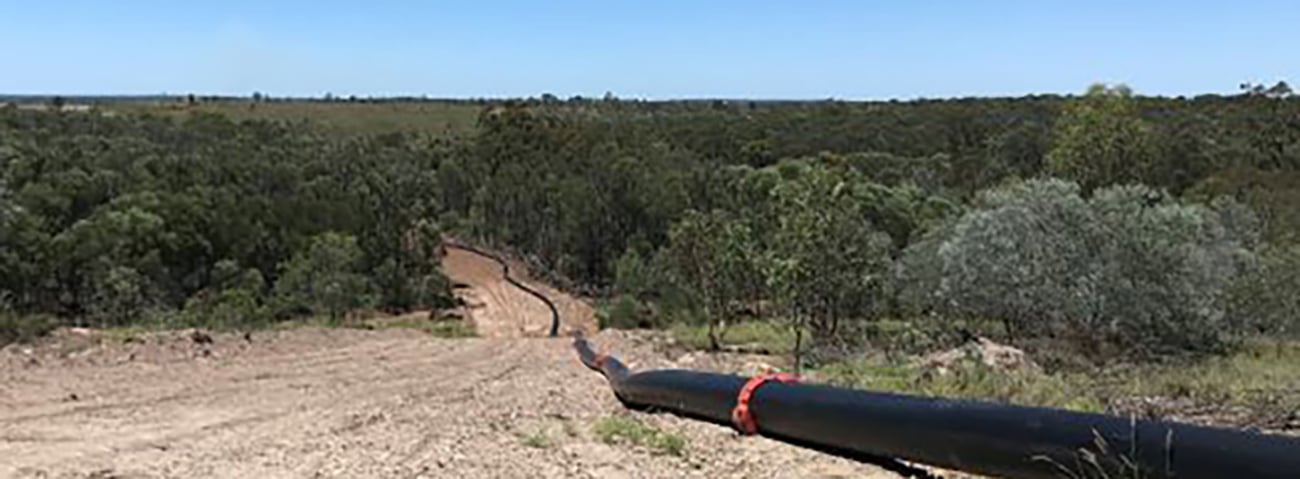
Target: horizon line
<point x="345" y="98"/>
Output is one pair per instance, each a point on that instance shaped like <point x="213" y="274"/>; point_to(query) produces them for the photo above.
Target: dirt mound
<point x="999" y="357"/>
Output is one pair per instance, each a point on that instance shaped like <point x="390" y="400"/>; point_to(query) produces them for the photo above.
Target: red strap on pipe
<point x="741" y="416"/>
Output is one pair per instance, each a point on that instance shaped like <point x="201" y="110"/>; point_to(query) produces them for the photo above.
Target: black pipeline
<point x="975" y="437"/>
<point x="505" y="273"/>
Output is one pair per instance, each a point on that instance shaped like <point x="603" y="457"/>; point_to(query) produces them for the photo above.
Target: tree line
<point x="1118" y="224"/>
<point x="114" y="219"/>
<point x="1115" y="223"/>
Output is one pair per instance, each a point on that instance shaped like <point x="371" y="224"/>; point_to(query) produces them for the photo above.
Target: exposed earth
<point x="315" y="402"/>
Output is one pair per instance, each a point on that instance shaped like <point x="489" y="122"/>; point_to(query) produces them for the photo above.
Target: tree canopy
<point x="827" y="216"/>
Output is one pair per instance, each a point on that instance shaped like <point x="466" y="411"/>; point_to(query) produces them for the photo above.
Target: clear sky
<point x="852" y="49"/>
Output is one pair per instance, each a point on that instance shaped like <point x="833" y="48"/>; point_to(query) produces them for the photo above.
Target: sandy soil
<point x="353" y="403"/>
<point x="500" y="310"/>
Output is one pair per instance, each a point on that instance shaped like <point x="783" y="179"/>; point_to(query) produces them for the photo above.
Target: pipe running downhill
<point x="1016" y="442"/>
<point x="976" y="437"/>
<point x="505" y="273"/>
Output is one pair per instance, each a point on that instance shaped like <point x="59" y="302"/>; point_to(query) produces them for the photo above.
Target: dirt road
<point x="354" y="403"/>
<point x="500" y="310"/>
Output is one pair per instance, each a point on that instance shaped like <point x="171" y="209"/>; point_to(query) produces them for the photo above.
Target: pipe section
<point x="982" y="438"/>
<point x="505" y="273"/>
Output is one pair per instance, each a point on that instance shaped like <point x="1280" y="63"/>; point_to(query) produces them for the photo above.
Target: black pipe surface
<point x="970" y="436"/>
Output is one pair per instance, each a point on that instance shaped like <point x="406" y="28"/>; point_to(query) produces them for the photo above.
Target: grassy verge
<point x="1263" y="377"/>
<point x="759" y="337"/>
<point x="448" y="328"/>
<point x="627" y="430"/>
<point x="16" y="328"/>
<point x="1261" y="380"/>
<point x="444" y="328"/>
<point x="972" y="381"/>
<point x="1258" y="385"/>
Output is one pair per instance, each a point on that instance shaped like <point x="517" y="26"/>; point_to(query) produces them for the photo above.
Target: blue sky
<point x="650" y="49"/>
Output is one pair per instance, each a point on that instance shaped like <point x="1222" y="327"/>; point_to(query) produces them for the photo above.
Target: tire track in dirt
<point x="353" y="403"/>
<point x="499" y="309"/>
<point x="167" y="392"/>
<point x="205" y="399"/>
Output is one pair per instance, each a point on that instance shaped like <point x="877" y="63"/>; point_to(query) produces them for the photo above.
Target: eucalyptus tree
<point x="827" y="261"/>
<point x="1102" y="139"/>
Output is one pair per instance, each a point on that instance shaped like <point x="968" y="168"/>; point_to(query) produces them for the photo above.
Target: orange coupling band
<point x="741" y="416"/>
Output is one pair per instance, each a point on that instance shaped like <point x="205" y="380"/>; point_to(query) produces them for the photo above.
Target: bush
<point x="632" y="275"/>
<point x="15" y="328"/>
<point x="233" y="300"/>
<point x="969" y="379"/>
<point x="625" y="312"/>
<point x="1166" y="270"/>
<point x="1102" y="139"/>
<point x="1268" y="298"/>
<point x="407" y="277"/>
<point x="324" y="279"/>
<point x="755" y="337"/>
<point x="829" y="255"/>
<point x="1273" y="195"/>
<point x="1127" y="271"/>
<point x="121" y="296"/>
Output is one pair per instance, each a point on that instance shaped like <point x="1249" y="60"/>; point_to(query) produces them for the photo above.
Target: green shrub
<point x="968" y="380"/>
<point x="1259" y="378"/>
<point x="234" y="300"/>
<point x="760" y="337"/>
<point x="324" y="279"/>
<point x="1126" y="271"/>
<point x="1102" y="139"/>
<point x="121" y="295"/>
<point x="451" y="328"/>
<point x="625" y="312"/>
<point x="626" y="430"/>
<point x="1274" y="195"/>
<point x="633" y="275"/>
<point x="1268" y="298"/>
<point x="15" y="328"/>
<point x="830" y="253"/>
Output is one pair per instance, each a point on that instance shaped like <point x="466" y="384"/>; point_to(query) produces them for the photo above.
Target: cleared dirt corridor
<point x="354" y="403"/>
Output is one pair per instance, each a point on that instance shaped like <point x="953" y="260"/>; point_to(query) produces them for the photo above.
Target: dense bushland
<point x="835" y="216"/>
<point x="111" y="220"/>
<point x="1116" y="224"/>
